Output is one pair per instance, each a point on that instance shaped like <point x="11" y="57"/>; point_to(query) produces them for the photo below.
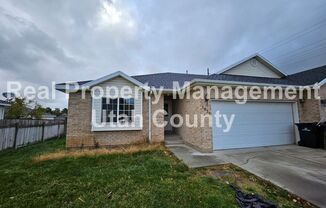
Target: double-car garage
<point x="255" y="124"/>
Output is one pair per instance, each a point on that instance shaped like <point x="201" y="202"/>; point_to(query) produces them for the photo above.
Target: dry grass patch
<point x="96" y="152"/>
<point x="247" y="182"/>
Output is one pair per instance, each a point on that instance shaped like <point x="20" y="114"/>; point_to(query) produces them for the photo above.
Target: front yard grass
<point x="150" y="178"/>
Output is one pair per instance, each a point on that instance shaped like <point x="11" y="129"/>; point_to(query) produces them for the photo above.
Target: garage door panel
<point x="256" y="118"/>
<point x="260" y="129"/>
<point x="255" y="110"/>
<point x="255" y="141"/>
<point x="228" y="107"/>
<point x="255" y="124"/>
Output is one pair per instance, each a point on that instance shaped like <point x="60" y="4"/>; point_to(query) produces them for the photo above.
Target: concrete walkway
<point x="188" y="155"/>
<point x="299" y="170"/>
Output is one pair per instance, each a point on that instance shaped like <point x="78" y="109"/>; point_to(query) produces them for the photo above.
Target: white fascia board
<point x="222" y="82"/>
<point x="4" y="104"/>
<point x="236" y="64"/>
<point x="274" y="68"/>
<point x="68" y="87"/>
<point x="111" y="76"/>
<point x="71" y="87"/>
<point x="321" y="83"/>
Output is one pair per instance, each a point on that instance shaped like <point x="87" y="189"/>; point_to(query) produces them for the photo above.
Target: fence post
<point x="16" y="133"/>
<point x="43" y="126"/>
<point x="58" y="136"/>
<point x="65" y="127"/>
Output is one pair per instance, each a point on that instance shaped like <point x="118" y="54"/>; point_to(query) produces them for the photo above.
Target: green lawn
<point x="145" y="179"/>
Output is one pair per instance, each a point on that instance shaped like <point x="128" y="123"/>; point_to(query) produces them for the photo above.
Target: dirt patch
<point x="96" y="152"/>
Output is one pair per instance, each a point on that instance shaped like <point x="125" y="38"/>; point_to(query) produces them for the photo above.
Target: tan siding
<point x="247" y="69"/>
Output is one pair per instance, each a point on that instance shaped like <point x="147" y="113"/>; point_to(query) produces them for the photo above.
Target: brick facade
<point x="157" y="132"/>
<point x="79" y="132"/>
<point x="311" y="110"/>
<point x="323" y="107"/>
<point x="199" y="137"/>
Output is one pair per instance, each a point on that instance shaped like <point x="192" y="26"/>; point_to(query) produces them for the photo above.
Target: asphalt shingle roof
<point x="239" y="78"/>
<point x="166" y="79"/>
<point x="308" y="77"/>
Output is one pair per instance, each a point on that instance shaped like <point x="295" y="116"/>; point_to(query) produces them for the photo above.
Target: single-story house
<point x="259" y="122"/>
<point x="48" y="116"/>
<point x="62" y="116"/>
<point x="3" y="106"/>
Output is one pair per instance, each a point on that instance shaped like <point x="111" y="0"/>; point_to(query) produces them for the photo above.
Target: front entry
<point x="167" y="117"/>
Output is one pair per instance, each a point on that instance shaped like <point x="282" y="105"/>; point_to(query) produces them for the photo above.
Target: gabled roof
<point x="165" y="80"/>
<point x="111" y="76"/>
<point x="261" y="59"/>
<point x="68" y="87"/>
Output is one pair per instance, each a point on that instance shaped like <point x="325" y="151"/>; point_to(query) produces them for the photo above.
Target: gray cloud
<point x="44" y="41"/>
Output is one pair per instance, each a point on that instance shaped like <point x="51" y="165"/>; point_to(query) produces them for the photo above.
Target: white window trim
<point x="117" y="128"/>
<point x="118" y="109"/>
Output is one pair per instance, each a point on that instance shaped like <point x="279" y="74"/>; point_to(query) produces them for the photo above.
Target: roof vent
<point x="253" y="62"/>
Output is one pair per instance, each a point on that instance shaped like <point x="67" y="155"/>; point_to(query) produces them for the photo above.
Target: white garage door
<point x="255" y="124"/>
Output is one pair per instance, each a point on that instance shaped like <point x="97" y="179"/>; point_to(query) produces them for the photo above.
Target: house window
<point x="118" y="109"/>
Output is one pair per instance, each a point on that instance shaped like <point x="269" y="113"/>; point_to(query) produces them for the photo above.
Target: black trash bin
<point x="311" y="135"/>
<point x="323" y="126"/>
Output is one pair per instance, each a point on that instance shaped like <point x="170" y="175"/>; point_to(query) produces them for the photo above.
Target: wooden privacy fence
<point x="15" y="133"/>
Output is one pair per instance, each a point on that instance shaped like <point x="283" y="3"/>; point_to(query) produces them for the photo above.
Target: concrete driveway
<point x="299" y="170"/>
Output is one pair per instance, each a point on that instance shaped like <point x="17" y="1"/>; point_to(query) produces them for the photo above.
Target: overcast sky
<point x="43" y="41"/>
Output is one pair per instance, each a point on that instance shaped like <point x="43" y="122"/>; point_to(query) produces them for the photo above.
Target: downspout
<point x="150" y="116"/>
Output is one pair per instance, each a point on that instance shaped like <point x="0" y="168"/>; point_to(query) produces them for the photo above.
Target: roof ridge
<point x="236" y="75"/>
<point x="167" y="73"/>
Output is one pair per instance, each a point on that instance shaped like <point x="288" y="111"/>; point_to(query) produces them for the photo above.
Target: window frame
<point x="98" y="126"/>
<point x="117" y="118"/>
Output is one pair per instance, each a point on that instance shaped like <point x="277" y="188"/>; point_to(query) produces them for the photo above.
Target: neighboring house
<point x="258" y="122"/>
<point x="3" y="106"/>
<point x="61" y="117"/>
<point x="48" y="116"/>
